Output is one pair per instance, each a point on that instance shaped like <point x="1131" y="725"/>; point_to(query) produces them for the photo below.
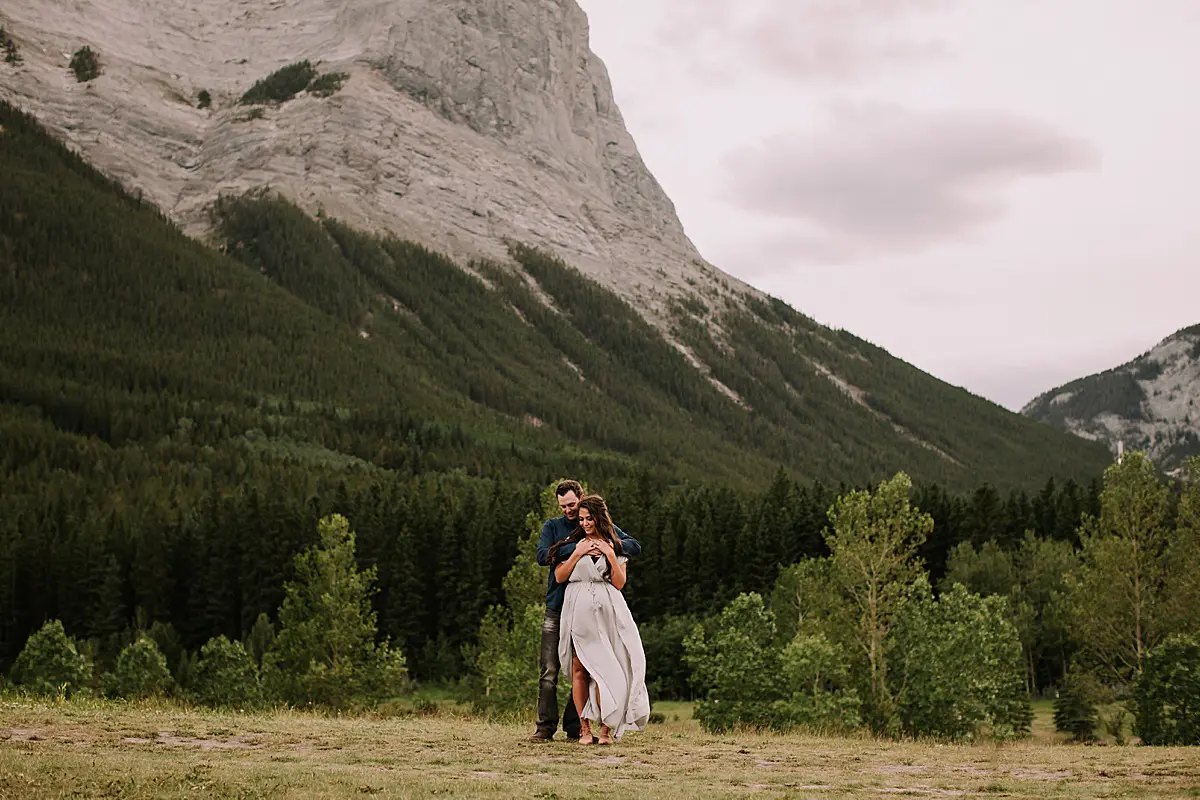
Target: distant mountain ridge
<point x="1151" y="403"/>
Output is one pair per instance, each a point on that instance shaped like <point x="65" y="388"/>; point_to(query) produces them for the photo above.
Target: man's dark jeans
<point x="547" y="722"/>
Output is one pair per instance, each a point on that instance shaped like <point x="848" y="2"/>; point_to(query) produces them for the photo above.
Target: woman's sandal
<point x="605" y="735"/>
<point x="585" y="734"/>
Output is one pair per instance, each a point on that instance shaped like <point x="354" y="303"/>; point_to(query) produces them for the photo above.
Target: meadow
<point x="88" y="748"/>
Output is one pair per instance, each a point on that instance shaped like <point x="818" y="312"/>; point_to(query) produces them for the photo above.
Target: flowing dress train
<point x="596" y="623"/>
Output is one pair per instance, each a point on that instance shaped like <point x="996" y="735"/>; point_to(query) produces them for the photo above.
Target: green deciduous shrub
<point x="251" y="115"/>
<point x="1167" y="696"/>
<point x="961" y="665"/>
<point x="736" y="667"/>
<point x="817" y="673"/>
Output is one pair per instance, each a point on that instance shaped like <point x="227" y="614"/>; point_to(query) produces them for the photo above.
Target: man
<point x="555" y="530"/>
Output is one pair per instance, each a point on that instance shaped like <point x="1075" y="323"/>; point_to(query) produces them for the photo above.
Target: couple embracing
<point x="588" y="630"/>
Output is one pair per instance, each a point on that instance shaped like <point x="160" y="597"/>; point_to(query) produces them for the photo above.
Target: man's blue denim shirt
<point x="555" y="530"/>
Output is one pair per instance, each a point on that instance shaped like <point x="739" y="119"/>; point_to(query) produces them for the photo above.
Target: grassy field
<point x="94" y="749"/>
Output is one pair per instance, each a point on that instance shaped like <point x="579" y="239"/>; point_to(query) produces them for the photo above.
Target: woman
<point x="597" y="635"/>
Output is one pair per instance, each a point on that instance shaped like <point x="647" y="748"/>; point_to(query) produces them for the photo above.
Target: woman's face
<point x="586" y="521"/>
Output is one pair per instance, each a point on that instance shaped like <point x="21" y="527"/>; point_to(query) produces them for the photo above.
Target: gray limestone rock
<point x="463" y="122"/>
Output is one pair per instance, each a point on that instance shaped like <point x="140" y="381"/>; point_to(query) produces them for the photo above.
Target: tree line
<point x="206" y="545"/>
<point x="855" y="637"/>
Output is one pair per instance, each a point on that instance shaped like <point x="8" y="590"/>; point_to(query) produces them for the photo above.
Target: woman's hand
<point x="616" y="572"/>
<point x="604" y="547"/>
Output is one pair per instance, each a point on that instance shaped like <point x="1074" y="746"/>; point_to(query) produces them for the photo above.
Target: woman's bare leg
<point x="605" y="732"/>
<point x="580" y="681"/>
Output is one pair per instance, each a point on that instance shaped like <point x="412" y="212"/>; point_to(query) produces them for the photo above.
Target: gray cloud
<point x="882" y="178"/>
<point x="799" y="39"/>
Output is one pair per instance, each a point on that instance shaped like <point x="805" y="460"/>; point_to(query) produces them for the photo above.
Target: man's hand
<point x="586" y="547"/>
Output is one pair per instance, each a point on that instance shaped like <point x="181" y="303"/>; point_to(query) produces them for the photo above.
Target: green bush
<point x="50" y="663"/>
<point x="817" y="673"/>
<point x="1167" y="696"/>
<point x="1075" y="707"/>
<point x="141" y="671"/>
<point x="226" y="675"/>
<point x="204" y="99"/>
<point x="960" y="664"/>
<point x="327" y="84"/>
<point x="281" y="85"/>
<point x="736" y="666"/>
<point x="85" y="64"/>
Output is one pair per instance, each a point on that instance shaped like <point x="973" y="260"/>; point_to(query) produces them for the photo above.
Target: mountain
<point x="1151" y="403"/>
<point x="459" y="123"/>
<point x="559" y="302"/>
<point x="303" y="338"/>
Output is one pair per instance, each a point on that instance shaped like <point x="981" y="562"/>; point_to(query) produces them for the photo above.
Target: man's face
<point x="569" y="503"/>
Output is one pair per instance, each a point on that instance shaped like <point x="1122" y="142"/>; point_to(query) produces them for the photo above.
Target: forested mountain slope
<point x="174" y="418"/>
<point x="308" y="334"/>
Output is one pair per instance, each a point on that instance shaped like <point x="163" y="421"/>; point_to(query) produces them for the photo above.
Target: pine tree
<point x="325" y="652"/>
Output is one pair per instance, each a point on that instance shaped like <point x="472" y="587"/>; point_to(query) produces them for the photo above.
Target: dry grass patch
<point x="91" y="749"/>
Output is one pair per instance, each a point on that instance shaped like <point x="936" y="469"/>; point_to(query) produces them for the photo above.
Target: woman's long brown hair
<point x="596" y="506"/>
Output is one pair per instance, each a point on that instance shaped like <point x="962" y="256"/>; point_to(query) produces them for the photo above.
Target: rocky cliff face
<point x="1152" y="403"/>
<point x="462" y="122"/>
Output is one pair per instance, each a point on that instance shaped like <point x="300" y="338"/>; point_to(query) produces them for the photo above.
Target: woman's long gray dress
<point x="596" y="622"/>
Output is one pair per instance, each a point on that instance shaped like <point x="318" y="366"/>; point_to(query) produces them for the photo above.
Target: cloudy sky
<point x="1002" y="193"/>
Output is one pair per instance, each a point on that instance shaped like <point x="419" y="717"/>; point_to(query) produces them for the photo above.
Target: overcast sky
<point x="1003" y="193"/>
